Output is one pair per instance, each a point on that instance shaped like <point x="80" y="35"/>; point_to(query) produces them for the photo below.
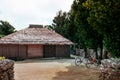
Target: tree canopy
<point x="92" y="24"/>
<point x="6" y="28"/>
<point x="60" y="23"/>
<point x="105" y="18"/>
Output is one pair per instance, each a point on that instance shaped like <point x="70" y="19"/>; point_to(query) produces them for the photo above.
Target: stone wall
<point x="110" y="69"/>
<point x="6" y="69"/>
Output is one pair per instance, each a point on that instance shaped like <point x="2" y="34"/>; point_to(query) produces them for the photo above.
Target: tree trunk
<point x="101" y="47"/>
<point x="101" y="51"/>
<point x="85" y="49"/>
<point x="105" y="55"/>
<point x="96" y="54"/>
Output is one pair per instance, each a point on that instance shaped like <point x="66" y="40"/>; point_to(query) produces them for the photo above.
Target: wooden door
<point x="35" y="51"/>
<point x="49" y="51"/>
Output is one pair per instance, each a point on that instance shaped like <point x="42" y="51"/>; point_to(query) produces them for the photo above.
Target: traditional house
<point x="34" y="41"/>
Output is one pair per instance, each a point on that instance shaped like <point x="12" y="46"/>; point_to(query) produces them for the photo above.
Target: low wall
<point x="6" y="69"/>
<point x="110" y="70"/>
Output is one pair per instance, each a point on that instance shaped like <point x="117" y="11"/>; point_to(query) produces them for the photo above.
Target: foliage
<point x="72" y="27"/>
<point x="87" y="36"/>
<point x="112" y="46"/>
<point x="92" y="24"/>
<point x="60" y="23"/>
<point x="104" y="17"/>
<point x="6" y="28"/>
<point x="49" y="27"/>
<point x="2" y="58"/>
<point x="1" y="35"/>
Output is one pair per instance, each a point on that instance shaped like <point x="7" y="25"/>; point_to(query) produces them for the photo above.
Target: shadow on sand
<point x="77" y="73"/>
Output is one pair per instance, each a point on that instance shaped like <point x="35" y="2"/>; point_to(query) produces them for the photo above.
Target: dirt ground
<point x="61" y="69"/>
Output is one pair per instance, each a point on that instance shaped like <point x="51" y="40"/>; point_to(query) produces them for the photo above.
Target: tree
<point x="104" y="17"/>
<point x="72" y="28"/>
<point x="84" y="33"/>
<point x="6" y="28"/>
<point x="49" y="27"/>
<point x="60" y="23"/>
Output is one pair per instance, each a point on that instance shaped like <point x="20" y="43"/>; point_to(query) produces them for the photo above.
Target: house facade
<point x="34" y="41"/>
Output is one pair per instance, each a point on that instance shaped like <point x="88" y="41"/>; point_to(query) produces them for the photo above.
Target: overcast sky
<point x="21" y="13"/>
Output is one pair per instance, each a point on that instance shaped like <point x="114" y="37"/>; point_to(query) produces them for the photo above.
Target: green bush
<point x="2" y="58"/>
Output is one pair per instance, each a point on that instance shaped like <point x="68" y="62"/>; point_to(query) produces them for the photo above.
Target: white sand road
<point x="38" y="69"/>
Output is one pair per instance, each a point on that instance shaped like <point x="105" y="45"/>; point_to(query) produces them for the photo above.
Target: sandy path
<point x="38" y="70"/>
<point x="53" y="70"/>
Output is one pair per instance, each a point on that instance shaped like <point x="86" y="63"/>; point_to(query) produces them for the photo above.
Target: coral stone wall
<point x="110" y="70"/>
<point x="6" y="69"/>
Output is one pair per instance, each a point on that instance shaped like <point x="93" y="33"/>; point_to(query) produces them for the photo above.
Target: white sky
<point x="21" y="13"/>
